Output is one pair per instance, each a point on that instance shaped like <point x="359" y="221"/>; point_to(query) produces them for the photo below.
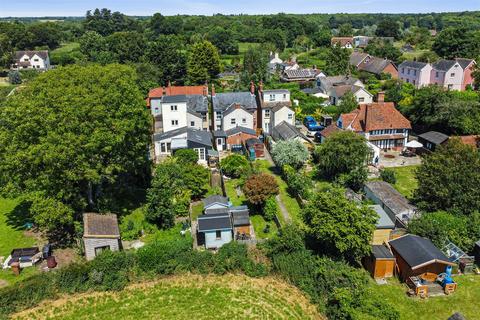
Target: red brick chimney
<point x="252" y="87"/>
<point x="205" y="90"/>
<point x="381" y="97"/>
<point x="213" y="90"/>
<point x="169" y="84"/>
<point x="164" y="91"/>
<point x="260" y="86"/>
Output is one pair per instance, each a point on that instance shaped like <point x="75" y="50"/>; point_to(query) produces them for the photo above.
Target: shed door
<point x="380" y="268"/>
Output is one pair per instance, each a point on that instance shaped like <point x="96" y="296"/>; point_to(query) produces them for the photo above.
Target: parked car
<point x="311" y="124"/>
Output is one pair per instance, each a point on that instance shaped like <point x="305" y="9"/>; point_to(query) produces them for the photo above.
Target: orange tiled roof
<point x="473" y="141"/>
<point x="175" y="91"/>
<point x="328" y="131"/>
<point x="375" y="116"/>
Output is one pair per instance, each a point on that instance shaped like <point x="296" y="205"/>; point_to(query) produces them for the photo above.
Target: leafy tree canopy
<point x="73" y="133"/>
<point x="235" y="165"/>
<point x="448" y="179"/>
<point x="290" y="152"/>
<point x="203" y="63"/>
<point x="259" y="187"/>
<point x="340" y="226"/>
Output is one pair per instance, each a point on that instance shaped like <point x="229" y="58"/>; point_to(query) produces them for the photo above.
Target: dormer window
<point x="36" y="60"/>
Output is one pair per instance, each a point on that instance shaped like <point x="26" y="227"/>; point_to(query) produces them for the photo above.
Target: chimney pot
<point x="213" y="90"/>
<point x="252" y="87"/>
<point x="381" y="97"/>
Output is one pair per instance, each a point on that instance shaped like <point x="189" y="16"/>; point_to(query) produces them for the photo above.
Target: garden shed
<point x="381" y="262"/>
<point x="384" y="226"/>
<point x="416" y="256"/>
<point x="100" y="232"/>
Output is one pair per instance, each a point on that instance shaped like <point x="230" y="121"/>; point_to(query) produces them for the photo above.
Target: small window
<point x="284" y="96"/>
<point x="361" y="99"/>
<point x="290" y="116"/>
<point x="156" y="110"/>
<point x="99" y="250"/>
<point x="218" y="234"/>
<point x="232" y="121"/>
<point x="219" y="115"/>
<point x="267" y="113"/>
<point x="437" y="74"/>
<point x="192" y="123"/>
<point x="403" y="70"/>
<point x="36" y="60"/>
<point x="173" y="108"/>
<point x="452" y="74"/>
<point x="163" y="147"/>
<point x="219" y="141"/>
<point x="244" y="120"/>
<point x="26" y="59"/>
<point x="414" y="82"/>
<point x="414" y="72"/>
<point x="174" y="122"/>
<point x="272" y="97"/>
<point x="201" y="153"/>
<point x="408" y="71"/>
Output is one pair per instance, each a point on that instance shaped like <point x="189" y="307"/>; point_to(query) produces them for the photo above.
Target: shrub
<point x="160" y="257"/>
<point x="187" y="156"/>
<point x="109" y="271"/>
<point x="14" y="77"/>
<point x="234" y="165"/>
<point x="388" y="175"/>
<point x="298" y="183"/>
<point x="270" y="210"/>
<point x="259" y="187"/>
<point x="73" y="278"/>
<point x="290" y="152"/>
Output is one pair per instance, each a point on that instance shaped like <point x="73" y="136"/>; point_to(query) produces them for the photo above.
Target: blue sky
<point x="208" y="7"/>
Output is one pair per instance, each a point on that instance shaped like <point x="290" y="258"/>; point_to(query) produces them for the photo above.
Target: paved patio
<point x="397" y="160"/>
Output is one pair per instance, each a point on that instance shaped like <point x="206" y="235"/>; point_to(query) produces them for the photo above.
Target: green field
<point x="67" y="47"/>
<point x="259" y="225"/>
<point x="186" y="297"/>
<point x="406" y="181"/>
<point x="464" y="300"/>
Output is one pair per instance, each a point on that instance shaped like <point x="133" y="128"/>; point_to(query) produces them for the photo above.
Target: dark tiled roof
<point x="417" y="251"/>
<point x="457" y="316"/>
<point x="375" y="65"/>
<point x="219" y="134"/>
<point x="444" y="65"/>
<point x="412" y="64"/>
<point x="285" y="131"/>
<point x="464" y="63"/>
<point x="253" y="141"/>
<point x="342" y="90"/>
<point x="434" y="137"/>
<point x="276" y="91"/>
<point x="217" y="211"/>
<point x="241" y="217"/>
<point x="100" y="225"/>
<point x="215" y="199"/>
<point x="197" y="103"/>
<point x="234" y="107"/>
<point x="240" y="129"/>
<point x="357" y="57"/>
<point x="41" y="53"/>
<point x="200" y="136"/>
<point x="174" y="99"/>
<point x="212" y="222"/>
<point x="221" y="101"/>
<point x="381" y="252"/>
<point x="169" y="134"/>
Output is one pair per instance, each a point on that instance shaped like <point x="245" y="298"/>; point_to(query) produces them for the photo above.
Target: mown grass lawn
<point x="465" y="300"/>
<point x="186" y="297"/>
<point x="406" y="181"/>
<point x="259" y="224"/>
<point x="231" y="186"/>
<point x="67" y="47"/>
<point x="11" y="237"/>
<point x="290" y="202"/>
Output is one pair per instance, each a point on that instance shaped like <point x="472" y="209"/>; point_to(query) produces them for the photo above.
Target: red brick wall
<point x="391" y="70"/>
<point x="239" y="138"/>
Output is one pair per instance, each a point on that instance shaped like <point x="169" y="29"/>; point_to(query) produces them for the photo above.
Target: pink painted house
<point x="450" y="74"/>
<point x="416" y="73"/>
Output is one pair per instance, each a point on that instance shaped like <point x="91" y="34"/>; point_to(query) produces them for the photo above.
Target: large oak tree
<point x="77" y="134"/>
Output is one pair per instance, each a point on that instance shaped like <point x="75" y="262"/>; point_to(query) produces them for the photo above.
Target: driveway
<point x="394" y="159"/>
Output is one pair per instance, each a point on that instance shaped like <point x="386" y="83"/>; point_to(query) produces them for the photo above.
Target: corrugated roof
<point x="434" y="137"/>
<point x="389" y="197"/>
<point x="100" y="225"/>
<point x="384" y="221"/>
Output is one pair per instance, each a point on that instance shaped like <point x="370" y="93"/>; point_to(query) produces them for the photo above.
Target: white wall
<point x="239" y="115"/>
<point x="211" y="240"/>
<point x="196" y="121"/>
<point x="274" y="97"/>
<point x="180" y="115"/>
<point x="158" y="150"/>
<point x="265" y="120"/>
<point x="283" y="115"/>
<point x="367" y="97"/>
<point x="156" y="106"/>
<point x="454" y="82"/>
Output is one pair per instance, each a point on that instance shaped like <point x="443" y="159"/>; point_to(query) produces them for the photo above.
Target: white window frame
<point x="233" y="121"/>
<point x="200" y="153"/>
<point x="174" y="123"/>
<point x="267" y="113"/>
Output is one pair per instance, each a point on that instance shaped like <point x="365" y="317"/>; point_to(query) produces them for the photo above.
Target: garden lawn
<point x="67" y="47"/>
<point x="290" y="202"/>
<point x="259" y="224"/>
<point x="197" y="210"/>
<point x="11" y="236"/>
<point x="167" y="235"/>
<point x="186" y="297"/>
<point x="231" y="190"/>
<point x="406" y="181"/>
<point x="464" y="300"/>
